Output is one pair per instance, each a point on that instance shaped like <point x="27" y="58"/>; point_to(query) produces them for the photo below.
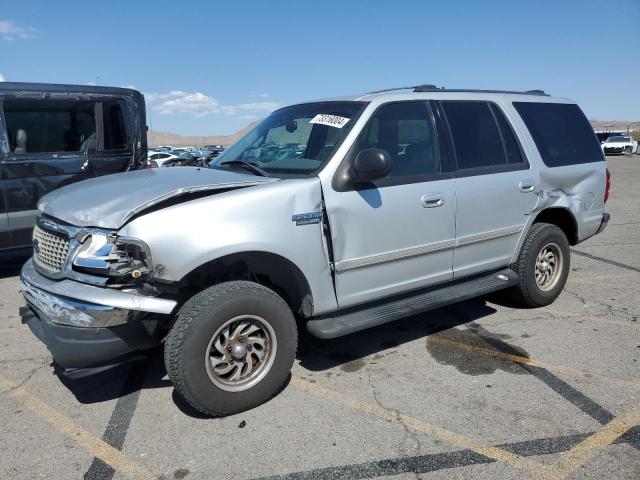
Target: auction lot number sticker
<point x="330" y="120"/>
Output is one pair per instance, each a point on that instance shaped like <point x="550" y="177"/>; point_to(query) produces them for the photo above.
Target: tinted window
<point x="406" y="131"/>
<point x="561" y="132"/>
<point x="49" y="126"/>
<point x="512" y="150"/>
<point x="115" y="135"/>
<point x="476" y="137"/>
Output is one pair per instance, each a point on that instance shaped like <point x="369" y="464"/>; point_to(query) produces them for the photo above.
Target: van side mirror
<point x="371" y="164"/>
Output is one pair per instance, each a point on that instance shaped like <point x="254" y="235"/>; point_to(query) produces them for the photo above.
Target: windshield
<point x="618" y="139"/>
<point x="294" y="140"/>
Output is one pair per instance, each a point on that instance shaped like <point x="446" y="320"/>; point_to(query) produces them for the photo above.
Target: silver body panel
<point x="110" y="201"/>
<point x="384" y="240"/>
<point x="258" y="219"/>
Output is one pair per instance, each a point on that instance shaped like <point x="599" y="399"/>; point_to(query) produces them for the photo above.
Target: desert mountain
<point x="155" y="139"/>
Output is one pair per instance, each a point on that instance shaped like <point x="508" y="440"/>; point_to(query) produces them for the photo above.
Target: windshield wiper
<point x="248" y="165"/>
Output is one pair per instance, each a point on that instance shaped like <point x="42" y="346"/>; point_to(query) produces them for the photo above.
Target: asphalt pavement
<point x="480" y="390"/>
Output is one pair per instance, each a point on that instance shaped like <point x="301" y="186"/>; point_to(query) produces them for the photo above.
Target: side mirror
<point x="371" y="164"/>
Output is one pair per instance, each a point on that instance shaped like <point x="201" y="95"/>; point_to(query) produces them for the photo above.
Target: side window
<point x="36" y="126"/>
<point x="512" y="150"/>
<point x="476" y="137"/>
<point x="115" y="133"/>
<point x="406" y="132"/>
<point x="561" y="132"/>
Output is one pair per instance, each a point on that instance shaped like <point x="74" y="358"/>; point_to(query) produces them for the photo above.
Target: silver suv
<point x="334" y="216"/>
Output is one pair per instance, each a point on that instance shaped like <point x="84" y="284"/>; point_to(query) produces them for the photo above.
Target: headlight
<point x="121" y="258"/>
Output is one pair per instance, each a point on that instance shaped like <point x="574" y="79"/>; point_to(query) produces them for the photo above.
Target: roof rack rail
<point x="389" y="90"/>
<point x="433" y="88"/>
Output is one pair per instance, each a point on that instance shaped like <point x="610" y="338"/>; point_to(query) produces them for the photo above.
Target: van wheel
<point x="543" y="266"/>
<point x="231" y="347"/>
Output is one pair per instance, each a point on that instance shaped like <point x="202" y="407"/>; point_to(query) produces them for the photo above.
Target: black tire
<point x="528" y="293"/>
<point x="196" y="323"/>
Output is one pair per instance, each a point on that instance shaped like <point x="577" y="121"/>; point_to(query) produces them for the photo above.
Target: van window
<point x="405" y="130"/>
<point x="115" y="134"/>
<point x="36" y="126"/>
<point x="561" y="132"/>
<point x="476" y="137"/>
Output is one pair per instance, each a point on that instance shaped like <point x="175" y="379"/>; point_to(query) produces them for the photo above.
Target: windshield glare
<point x="618" y="139"/>
<point x="295" y="140"/>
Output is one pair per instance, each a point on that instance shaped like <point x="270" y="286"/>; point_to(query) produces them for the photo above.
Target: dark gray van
<point x="54" y="135"/>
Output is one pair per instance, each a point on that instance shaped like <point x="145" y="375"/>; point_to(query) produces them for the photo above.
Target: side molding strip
<point x="395" y="255"/>
<point x="424" y="249"/>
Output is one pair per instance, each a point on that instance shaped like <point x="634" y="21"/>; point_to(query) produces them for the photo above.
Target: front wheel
<point x="543" y="266"/>
<point x="231" y="347"/>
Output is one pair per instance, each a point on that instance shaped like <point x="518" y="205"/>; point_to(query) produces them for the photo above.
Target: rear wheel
<point x="543" y="266"/>
<point x="231" y="348"/>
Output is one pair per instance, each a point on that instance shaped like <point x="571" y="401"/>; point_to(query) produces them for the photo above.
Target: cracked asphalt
<point x="476" y="390"/>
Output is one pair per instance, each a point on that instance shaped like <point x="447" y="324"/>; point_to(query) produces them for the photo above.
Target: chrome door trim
<point x="481" y="237"/>
<point x="393" y="255"/>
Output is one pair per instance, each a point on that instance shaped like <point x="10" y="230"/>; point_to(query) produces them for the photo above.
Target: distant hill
<point x="162" y="138"/>
<point x="617" y="125"/>
<point x="155" y="139"/>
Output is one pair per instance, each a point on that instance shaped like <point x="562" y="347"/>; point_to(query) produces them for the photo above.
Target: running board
<point x="344" y="322"/>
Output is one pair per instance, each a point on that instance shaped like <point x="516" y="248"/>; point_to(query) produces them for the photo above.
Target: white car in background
<point x="619" y="144"/>
<point x="159" y="157"/>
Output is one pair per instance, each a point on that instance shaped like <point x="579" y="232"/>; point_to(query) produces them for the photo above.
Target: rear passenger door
<point x="495" y="186"/>
<point x="395" y="234"/>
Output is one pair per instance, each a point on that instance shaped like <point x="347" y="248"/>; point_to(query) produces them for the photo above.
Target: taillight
<point x="607" y="186"/>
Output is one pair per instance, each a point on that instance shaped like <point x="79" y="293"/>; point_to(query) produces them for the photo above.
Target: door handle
<point x="527" y="186"/>
<point x="432" y="200"/>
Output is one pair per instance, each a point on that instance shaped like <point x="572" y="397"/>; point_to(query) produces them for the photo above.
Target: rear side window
<point x="511" y="148"/>
<point x="481" y="135"/>
<point x="115" y="133"/>
<point x="49" y="126"/>
<point x="561" y="132"/>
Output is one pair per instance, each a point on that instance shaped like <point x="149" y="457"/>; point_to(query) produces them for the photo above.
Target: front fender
<point x="256" y="219"/>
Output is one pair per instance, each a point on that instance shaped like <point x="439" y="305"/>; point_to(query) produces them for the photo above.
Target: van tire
<point x="528" y="292"/>
<point x="191" y="342"/>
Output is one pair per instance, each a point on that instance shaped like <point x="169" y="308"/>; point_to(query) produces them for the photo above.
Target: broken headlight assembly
<point x="122" y="259"/>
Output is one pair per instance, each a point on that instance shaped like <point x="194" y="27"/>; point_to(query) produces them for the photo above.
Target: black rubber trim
<point x="344" y="322"/>
<point x="75" y="347"/>
<point x="603" y="224"/>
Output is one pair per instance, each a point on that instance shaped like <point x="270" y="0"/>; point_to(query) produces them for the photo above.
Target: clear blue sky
<point x="212" y="67"/>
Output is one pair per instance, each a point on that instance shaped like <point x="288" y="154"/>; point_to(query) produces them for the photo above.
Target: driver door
<point x="398" y="233"/>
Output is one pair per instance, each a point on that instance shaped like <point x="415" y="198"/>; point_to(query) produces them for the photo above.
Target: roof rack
<point x="433" y="88"/>
<point x="389" y="90"/>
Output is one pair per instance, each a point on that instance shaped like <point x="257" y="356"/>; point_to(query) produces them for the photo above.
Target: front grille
<point x="50" y="249"/>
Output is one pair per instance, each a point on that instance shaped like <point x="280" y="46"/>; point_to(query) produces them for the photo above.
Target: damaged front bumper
<point x="84" y="325"/>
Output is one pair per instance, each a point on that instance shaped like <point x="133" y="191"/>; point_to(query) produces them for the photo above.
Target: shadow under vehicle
<point x="54" y="135"/>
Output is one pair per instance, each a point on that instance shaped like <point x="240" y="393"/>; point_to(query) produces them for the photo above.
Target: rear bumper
<point x="83" y="325"/>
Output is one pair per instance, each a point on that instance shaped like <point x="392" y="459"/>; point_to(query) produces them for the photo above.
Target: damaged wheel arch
<point x="269" y="269"/>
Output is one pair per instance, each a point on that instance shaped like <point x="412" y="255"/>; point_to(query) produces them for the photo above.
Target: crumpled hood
<point x="110" y="201"/>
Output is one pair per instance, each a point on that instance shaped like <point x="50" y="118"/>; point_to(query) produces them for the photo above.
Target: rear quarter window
<point x="561" y="132"/>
